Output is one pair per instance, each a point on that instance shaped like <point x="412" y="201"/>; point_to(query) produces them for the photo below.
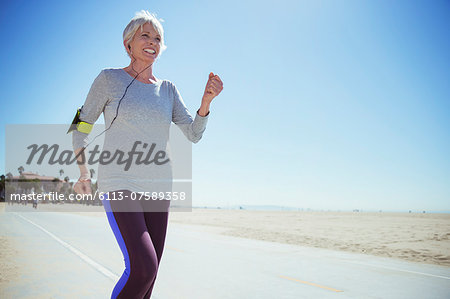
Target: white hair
<point x="142" y="17"/>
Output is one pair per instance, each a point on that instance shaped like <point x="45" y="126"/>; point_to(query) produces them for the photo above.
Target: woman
<point x="138" y="107"/>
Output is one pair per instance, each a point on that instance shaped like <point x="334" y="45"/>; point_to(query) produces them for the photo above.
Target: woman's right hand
<point x="83" y="186"/>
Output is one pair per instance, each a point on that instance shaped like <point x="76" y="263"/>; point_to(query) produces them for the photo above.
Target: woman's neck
<point x="145" y="72"/>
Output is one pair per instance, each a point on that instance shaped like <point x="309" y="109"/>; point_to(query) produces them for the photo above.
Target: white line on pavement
<point x="401" y="270"/>
<point x="81" y="255"/>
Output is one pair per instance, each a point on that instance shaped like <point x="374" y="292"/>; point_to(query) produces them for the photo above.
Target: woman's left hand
<point x="213" y="87"/>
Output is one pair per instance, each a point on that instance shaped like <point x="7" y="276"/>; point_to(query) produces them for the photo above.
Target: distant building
<point x="48" y="183"/>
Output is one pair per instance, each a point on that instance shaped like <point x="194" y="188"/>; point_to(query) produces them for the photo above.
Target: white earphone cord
<point x="118" y="105"/>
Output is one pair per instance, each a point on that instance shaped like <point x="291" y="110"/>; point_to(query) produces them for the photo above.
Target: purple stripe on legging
<point x="115" y="228"/>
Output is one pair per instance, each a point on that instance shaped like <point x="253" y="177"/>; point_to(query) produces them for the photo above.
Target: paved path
<point x="76" y="256"/>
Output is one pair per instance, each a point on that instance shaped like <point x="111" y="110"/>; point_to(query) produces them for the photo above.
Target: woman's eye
<point x="146" y="35"/>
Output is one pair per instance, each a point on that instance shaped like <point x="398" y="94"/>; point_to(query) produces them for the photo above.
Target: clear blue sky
<point x="326" y="104"/>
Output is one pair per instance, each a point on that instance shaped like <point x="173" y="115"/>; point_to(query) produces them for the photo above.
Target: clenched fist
<point x="213" y="87"/>
<point x="83" y="186"/>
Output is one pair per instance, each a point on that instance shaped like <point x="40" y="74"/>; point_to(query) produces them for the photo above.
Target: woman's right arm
<point x="83" y="185"/>
<point x="94" y="105"/>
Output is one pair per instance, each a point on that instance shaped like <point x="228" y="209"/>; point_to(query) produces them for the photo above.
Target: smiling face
<point x="145" y="45"/>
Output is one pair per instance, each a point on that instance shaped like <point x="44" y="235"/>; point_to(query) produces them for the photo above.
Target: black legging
<point x="141" y="235"/>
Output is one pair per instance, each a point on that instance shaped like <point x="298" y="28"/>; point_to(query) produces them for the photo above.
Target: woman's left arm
<point x="213" y="87"/>
<point x="193" y="128"/>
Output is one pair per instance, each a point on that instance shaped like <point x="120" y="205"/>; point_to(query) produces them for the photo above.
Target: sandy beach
<point x="423" y="238"/>
<point x="10" y="271"/>
<point x="417" y="237"/>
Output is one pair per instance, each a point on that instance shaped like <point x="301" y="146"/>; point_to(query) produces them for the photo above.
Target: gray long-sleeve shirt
<point x="145" y="115"/>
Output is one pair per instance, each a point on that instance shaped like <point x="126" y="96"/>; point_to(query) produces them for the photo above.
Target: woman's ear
<point x="127" y="47"/>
